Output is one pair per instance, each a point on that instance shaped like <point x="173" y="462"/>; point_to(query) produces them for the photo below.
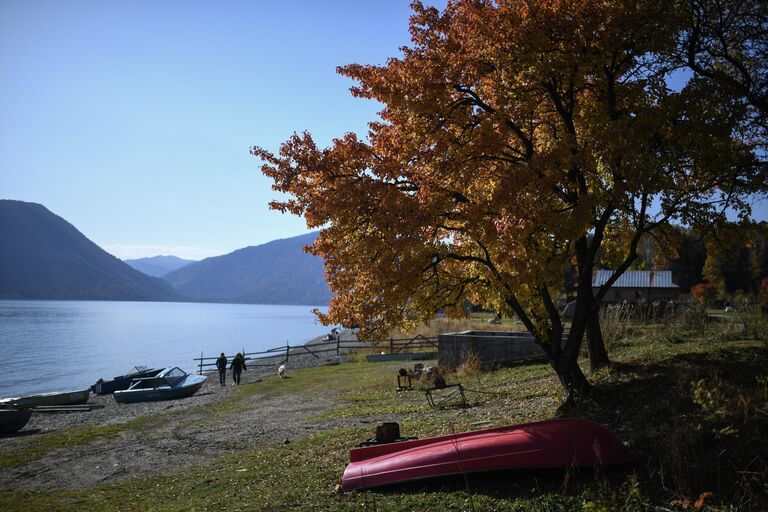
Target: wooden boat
<point x="169" y="384"/>
<point x="105" y="387"/>
<point x="54" y="398"/>
<point x="13" y="420"/>
<point x="545" y="444"/>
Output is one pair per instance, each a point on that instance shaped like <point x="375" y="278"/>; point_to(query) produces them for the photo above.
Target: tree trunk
<point x="598" y="356"/>
<point x="573" y="380"/>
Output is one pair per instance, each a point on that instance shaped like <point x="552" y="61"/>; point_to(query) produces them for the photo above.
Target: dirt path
<point x="169" y="435"/>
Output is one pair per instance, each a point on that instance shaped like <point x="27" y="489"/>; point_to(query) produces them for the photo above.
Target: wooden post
<point x="338" y="342"/>
<point x="390" y="345"/>
<point x="287" y="350"/>
<point x="200" y="371"/>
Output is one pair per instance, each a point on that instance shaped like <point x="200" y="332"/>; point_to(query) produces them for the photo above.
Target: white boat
<point x="54" y="398"/>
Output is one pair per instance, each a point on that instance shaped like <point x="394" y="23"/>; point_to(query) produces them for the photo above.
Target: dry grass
<point x="469" y="366"/>
<point x="615" y="323"/>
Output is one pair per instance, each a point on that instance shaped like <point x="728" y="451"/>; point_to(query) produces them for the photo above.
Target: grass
<point x="691" y="407"/>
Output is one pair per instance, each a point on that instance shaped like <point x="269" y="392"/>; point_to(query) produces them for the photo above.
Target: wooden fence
<point x="281" y="355"/>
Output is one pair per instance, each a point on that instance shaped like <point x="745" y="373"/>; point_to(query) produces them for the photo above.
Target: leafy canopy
<point x="510" y="132"/>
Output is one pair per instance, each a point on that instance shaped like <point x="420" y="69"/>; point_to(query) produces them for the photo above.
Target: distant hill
<point x="278" y="272"/>
<point x="158" y="266"/>
<point x="42" y="256"/>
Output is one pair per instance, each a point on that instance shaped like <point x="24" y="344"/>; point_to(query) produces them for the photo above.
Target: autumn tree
<point x="725" y="42"/>
<point x="737" y="257"/>
<point x="704" y="293"/>
<point x="514" y="138"/>
<point x="680" y="250"/>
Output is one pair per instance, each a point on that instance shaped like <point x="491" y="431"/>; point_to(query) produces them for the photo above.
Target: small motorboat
<point x="54" y="398"/>
<point x="169" y="384"/>
<point x="105" y="387"/>
<point x="13" y="420"/>
<point x="546" y="444"/>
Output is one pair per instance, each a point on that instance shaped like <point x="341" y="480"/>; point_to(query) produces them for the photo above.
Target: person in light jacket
<point x="238" y="365"/>
<point x="221" y="364"/>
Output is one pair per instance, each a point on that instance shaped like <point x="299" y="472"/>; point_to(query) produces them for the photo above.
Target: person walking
<point x="221" y="364"/>
<point x="238" y="365"/>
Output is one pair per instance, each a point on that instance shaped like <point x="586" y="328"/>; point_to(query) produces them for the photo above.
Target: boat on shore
<point x="105" y="387"/>
<point x="546" y="444"/>
<point x="13" y="420"/>
<point x="76" y="397"/>
<point x="169" y="384"/>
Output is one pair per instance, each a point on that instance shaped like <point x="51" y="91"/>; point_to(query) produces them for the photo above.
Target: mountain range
<point x="42" y="256"/>
<point x="158" y="266"/>
<point x="278" y="272"/>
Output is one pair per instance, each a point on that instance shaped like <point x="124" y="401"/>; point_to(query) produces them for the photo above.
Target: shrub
<point x="615" y="323"/>
<point x="704" y="293"/>
<point x="695" y="318"/>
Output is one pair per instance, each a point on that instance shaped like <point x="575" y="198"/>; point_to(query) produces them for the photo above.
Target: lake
<point x="60" y="345"/>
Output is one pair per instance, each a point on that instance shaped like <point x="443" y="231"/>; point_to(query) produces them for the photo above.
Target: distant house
<point x="637" y="285"/>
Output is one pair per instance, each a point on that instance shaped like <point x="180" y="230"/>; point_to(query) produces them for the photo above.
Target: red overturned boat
<point x="544" y="444"/>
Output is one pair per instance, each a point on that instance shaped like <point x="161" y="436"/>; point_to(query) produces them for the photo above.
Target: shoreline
<point x="189" y="430"/>
<point x="67" y="345"/>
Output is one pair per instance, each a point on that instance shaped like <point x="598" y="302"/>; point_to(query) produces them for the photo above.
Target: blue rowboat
<point x="104" y="387"/>
<point x="169" y="384"/>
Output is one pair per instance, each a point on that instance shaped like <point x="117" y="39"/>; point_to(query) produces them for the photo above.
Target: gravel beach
<point x="180" y="433"/>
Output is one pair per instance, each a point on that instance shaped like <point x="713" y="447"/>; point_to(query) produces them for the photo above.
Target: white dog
<point x="281" y="370"/>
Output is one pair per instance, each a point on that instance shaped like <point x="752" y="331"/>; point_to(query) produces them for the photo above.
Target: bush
<point x="704" y="293"/>
<point x="695" y="318"/>
<point x="615" y="323"/>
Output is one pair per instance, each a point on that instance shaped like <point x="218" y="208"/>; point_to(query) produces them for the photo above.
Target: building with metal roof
<point x="637" y="285"/>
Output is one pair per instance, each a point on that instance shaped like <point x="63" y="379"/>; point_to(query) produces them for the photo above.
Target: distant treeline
<point x="733" y="258"/>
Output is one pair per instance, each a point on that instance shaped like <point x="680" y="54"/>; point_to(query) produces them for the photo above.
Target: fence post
<point x="338" y="342"/>
<point x="390" y="345"/>
<point x="200" y="371"/>
<point x="287" y="350"/>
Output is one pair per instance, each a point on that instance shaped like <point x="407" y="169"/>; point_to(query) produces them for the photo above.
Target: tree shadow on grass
<point x="677" y="418"/>
<point x="678" y="450"/>
<point x="513" y="484"/>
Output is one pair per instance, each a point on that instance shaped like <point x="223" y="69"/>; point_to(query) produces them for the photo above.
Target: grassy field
<point x="691" y="406"/>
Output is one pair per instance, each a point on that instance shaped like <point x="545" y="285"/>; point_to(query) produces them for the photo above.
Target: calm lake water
<point x="61" y="345"/>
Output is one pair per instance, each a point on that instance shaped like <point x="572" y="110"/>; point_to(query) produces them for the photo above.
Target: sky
<point x="133" y="120"/>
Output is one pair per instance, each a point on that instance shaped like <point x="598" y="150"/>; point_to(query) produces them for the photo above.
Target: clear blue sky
<point x="133" y="119"/>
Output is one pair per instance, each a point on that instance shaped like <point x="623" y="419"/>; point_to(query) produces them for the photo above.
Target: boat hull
<point x="56" y="398"/>
<point x="121" y="382"/>
<point x="191" y="385"/>
<point x="13" y="420"/>
<point x="546" y="444"/>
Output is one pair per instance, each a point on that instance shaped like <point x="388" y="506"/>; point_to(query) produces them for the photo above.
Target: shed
<point x="637" y="285"/>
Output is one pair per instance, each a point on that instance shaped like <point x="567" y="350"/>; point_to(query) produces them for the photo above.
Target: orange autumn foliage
<point x="513" y="138"/>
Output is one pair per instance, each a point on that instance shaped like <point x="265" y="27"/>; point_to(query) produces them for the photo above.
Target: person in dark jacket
<point x="221" y="364"/>
<point x="238" y="365"/>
